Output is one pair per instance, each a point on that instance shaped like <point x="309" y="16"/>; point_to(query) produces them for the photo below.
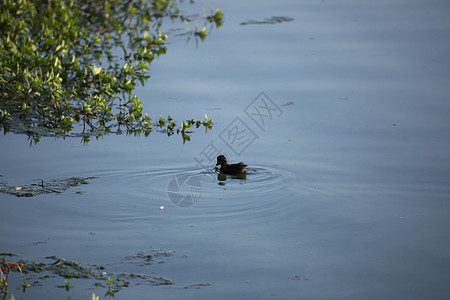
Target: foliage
<point x="5" y="268"/>
<point x="69" y="67"/>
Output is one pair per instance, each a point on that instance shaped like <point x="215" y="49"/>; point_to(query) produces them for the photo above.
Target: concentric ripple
<point x="202" y="194"/>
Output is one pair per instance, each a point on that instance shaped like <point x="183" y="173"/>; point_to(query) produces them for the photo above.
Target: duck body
<point x="230" y="168"/>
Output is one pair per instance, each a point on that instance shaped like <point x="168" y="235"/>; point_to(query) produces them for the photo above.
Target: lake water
<point x="343" y="118"/>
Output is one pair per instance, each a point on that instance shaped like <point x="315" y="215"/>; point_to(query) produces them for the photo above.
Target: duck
<point x="230" y="168"/>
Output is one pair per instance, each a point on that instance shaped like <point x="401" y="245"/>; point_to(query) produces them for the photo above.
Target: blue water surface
<point x="347" y="190"/>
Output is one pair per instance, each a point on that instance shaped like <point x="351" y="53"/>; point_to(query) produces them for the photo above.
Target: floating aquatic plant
<point x="58" y="185"/>
<point x="67" y="269"/>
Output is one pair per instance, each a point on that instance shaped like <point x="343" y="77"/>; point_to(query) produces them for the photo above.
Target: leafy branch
<point x="69" y="68"/>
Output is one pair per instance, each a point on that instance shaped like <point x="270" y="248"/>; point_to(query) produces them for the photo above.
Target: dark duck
<point x="230" y="168"/>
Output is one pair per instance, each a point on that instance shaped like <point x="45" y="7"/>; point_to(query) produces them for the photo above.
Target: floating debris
<point x="271" y="20"/>
<point x="197" y="285"/>
<point x="57" y="186"/>
<point x="6" y="266"/>
<point x="299" y="277"/>
<point x="159" y="280"/>
<point x="148" y="257"/>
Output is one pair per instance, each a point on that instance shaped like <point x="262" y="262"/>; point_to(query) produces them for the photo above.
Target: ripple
<point x="265" y="192"/>
<point x="202" y="195"/>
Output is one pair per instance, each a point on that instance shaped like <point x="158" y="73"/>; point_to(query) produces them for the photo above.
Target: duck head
<point x="221" y="161"/>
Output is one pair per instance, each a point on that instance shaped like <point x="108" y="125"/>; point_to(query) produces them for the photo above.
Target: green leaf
<point x="96" y="70"/>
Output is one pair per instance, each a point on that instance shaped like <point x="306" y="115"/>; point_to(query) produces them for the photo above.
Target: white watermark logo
<point x="185" y="190"/>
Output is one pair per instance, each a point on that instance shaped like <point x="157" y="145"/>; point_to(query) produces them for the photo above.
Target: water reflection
<point x="221" y="177"/>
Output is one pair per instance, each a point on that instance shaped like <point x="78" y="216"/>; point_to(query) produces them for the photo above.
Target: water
<point x="347" y="194"/>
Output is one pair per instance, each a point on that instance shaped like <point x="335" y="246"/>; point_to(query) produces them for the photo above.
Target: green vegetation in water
<point x="66" y="286"/>
<point x="58" y="185"/>
<point x="69" y="68"/>
<point x="5" y="267"/>
<point x="67" y="269"/>
<point x="201" y="33"/>
<point x="114" y="286"/>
